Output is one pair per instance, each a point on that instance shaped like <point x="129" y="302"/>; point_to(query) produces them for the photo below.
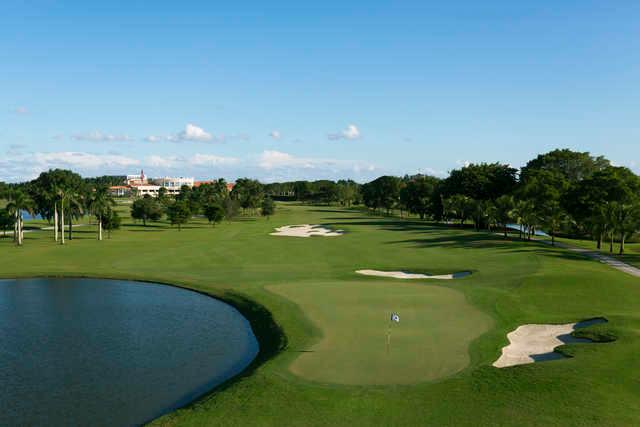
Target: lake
<point x="111" y="352"/>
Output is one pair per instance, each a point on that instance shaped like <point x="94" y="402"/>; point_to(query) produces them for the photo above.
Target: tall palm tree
<point x="19" y="202"/>
<point x="99" y="204"/>
<point x="75" y="208"/>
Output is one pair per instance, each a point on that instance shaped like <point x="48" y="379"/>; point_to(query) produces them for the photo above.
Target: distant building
<point x="137" y="179"/>
<point x="197" y="184"/>
<point x="145" y="189"/>
<point x="173" y="185"/>
<point x="139" y="185"/>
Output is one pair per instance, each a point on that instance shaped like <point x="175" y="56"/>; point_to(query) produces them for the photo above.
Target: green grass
<point x="631" y="255"/>
<point x="354" y="319"/>
<point x="310" y="289"/>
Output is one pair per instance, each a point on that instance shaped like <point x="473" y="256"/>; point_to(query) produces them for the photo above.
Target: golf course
<point x="329" y="354"/>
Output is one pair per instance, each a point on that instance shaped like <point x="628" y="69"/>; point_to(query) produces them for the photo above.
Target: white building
<point x="173" y="185"/>
<point x="144" y="189"/>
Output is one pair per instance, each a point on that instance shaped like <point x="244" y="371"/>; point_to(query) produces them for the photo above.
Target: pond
<point x="111" y="352"/>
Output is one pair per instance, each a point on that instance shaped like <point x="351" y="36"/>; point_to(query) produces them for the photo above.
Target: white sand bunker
<point x="535" y="343"/>
<point x="403" y="275"/>
<point x="306" y="230"/>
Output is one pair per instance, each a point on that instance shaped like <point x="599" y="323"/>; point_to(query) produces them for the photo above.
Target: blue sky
<point x="334" y="89"/>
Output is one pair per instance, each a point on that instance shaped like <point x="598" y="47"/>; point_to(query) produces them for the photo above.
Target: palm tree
<point x="19" y="202"/>
<point x="504" y="211"/>
<point x="75" y="208"/>
<point x="99" y="204"/>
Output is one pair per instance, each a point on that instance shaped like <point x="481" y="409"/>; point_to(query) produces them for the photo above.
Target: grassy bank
<point x="332" y="319"/>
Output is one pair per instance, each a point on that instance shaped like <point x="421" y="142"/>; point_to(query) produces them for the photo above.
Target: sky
<point x="284" y="90"/>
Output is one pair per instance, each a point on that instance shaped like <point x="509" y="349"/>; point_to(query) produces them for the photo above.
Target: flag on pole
<point x="395" y="317"/>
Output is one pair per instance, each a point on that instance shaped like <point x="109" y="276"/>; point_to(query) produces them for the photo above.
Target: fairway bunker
<point x="306" y="230"/>
<point x="404" y="275"/>
<point x="536" y="343"/>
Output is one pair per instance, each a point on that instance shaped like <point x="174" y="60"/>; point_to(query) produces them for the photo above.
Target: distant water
<point x="27" y="216"/>
<point x="111" y="353"/>
<point x="518" y="227"/>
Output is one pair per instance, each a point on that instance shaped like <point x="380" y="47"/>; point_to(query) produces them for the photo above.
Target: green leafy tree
<point x="100" y="204"/>
<point x="248" y="192"/>
<point x="231" y="208"/>
<point x="18" y="203"/>
<point x="110" y="220"/>
<point x="214" y="212"/>
<point x="459" y="207"/>
<point x="146" y="209"/>
<point x="178" y="213"/>
<point x="573" y="166"/>
<point x="417" y="194"/>
<point x="7" y="220"/>
<point x="504" y="207"/>
<point x="268" y="207"/>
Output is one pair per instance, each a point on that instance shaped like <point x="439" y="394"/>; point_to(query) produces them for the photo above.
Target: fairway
<point x="325" y="361"/>
<point x="430" y="341"/>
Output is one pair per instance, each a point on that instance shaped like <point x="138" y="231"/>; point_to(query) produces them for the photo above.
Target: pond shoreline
<point x="269" y="335"/>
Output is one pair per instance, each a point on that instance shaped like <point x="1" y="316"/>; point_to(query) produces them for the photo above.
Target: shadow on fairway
<point x="467" y="239"/>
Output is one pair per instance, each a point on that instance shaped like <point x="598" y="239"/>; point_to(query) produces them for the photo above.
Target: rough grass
<point x="513" y="283"/>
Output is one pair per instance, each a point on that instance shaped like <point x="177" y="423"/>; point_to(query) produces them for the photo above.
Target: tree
<point x="214" y="212"/>
<point x="347" y="192"/>
<point x="146" y="209"/>
<point x="248" y="192"/>
<point x="110" y="220"/>
<point x="504" y="205"/>
<point x="179" y="213"/>
<point x="573" y="166"/>
<point x="485" y="181"/>
<point x="417" y="194"/>
<point x="383" y="192"/>
<point x="231" y="208"/>
<point x="48" y="192"/>
<point x="7" y="220"/>
<point x="100" y="204"/>
<point x="18" y="203"/>
<point x="459" y="207"/>
<point x="268" y="207"/>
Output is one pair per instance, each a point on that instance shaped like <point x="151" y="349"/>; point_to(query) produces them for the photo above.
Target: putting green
<point x="430" y="341"/>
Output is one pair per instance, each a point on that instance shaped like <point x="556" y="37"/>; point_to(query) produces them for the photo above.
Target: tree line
<point x="562" y="192"/>
<point x="62" y="197"/>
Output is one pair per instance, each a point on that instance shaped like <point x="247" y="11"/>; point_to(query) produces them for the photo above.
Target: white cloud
<point x="161" y="162"/>
<point x="74" y="159"/>
<point x="289" y="165"/>
<point x="270" y="159"/>
<point x="97" y="136"/>
<point x="21" y="110"/>
<point x="184" y="163"/>
<point x="275" y="134"/>
<point x="350" y="133"/>
<point x="463" y="163"/>
<point x="212" y="160"/>
<point x="191" y="132"/>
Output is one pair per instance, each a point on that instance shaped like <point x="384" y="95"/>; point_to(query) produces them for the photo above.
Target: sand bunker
<point x="403" y="275"/>
<point x="535" y="343"/>
<point x="306" y="230"/>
